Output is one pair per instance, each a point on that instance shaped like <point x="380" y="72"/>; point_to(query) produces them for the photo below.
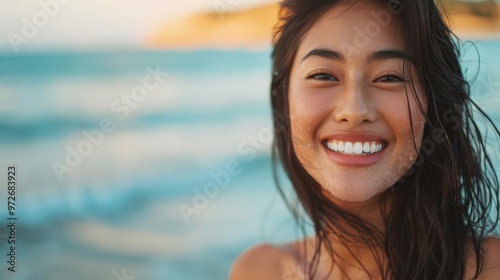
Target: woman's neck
<point x="374" y="211"/>
<point x="354" y="254"/>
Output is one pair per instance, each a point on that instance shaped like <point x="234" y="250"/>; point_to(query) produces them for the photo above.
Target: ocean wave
<point x="106" y="197"/>
<point x="97" y="64"/>
<point x="55" y="126"/>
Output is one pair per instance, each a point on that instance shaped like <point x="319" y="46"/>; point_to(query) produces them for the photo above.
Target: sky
<point x="38" y="25"/>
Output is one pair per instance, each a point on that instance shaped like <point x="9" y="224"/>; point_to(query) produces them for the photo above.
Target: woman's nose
<point x="355" y="106"/>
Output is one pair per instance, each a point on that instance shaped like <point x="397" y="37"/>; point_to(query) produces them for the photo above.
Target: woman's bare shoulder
<point x="491" y="268"/>
<point x="491" y="263"/>
<point x="263" y="261"/>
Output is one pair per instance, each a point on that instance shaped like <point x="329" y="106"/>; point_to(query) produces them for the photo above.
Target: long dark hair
<point x="445" y="199"/>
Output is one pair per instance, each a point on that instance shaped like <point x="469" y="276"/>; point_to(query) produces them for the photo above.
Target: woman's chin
<point x="360" y="187"/>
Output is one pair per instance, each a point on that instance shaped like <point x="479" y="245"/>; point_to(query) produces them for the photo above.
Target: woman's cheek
<point x="411" y="147"/>
<point x="304" y="122"/>
<point x="302" y="127"/>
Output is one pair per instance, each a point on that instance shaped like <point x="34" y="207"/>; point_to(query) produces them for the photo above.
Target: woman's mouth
<point x="355" y="152"/>
<point x="354" y="148"/>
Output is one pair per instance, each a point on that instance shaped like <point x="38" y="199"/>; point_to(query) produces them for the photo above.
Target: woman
<point x="380" y="146"/>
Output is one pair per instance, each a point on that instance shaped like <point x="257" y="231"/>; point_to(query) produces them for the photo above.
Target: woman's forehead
<point x="363" y="25"/>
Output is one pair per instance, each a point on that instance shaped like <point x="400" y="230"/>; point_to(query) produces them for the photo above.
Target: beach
<point x="240" y="29"/>
<point x="167" y="149"/>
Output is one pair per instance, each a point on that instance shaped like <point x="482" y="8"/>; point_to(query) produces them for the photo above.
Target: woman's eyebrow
<point x="374" y="56"/>
<point x="388" y="54"/>
<point x="325" y="53"/>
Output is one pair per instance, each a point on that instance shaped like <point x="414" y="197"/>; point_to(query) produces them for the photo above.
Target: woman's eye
<point x="322" y="77"/>
<point x="391" y="79"/>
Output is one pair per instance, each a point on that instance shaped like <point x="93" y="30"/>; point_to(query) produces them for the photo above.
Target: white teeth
<point x="366" y="147"/>
<point x="358" y="148"/>
<point x="355" y="148"/>
<point x="340" y="146"/>
<point x="348" y="147"/>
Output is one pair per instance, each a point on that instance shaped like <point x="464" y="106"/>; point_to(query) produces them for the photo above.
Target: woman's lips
<point x="354" y="151"/>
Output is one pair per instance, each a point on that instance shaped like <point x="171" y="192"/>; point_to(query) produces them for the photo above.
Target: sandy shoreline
<point x="252" y="29"/>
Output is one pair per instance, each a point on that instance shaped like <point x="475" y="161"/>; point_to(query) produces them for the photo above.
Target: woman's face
<point x="349" y="111"/>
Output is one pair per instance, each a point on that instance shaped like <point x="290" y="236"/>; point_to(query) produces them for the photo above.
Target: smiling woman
<point x="351" y="101"/>
<point x="380" y="146"/>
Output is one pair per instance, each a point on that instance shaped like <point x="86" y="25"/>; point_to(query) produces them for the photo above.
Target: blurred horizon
<point x="89" y="26"/>
<point x="99" y="25"/>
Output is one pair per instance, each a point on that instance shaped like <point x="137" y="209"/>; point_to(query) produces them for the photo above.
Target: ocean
<point x="148" y="164"/>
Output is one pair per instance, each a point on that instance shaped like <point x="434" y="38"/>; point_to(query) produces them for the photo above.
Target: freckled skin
<point x="355" y="97"/>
